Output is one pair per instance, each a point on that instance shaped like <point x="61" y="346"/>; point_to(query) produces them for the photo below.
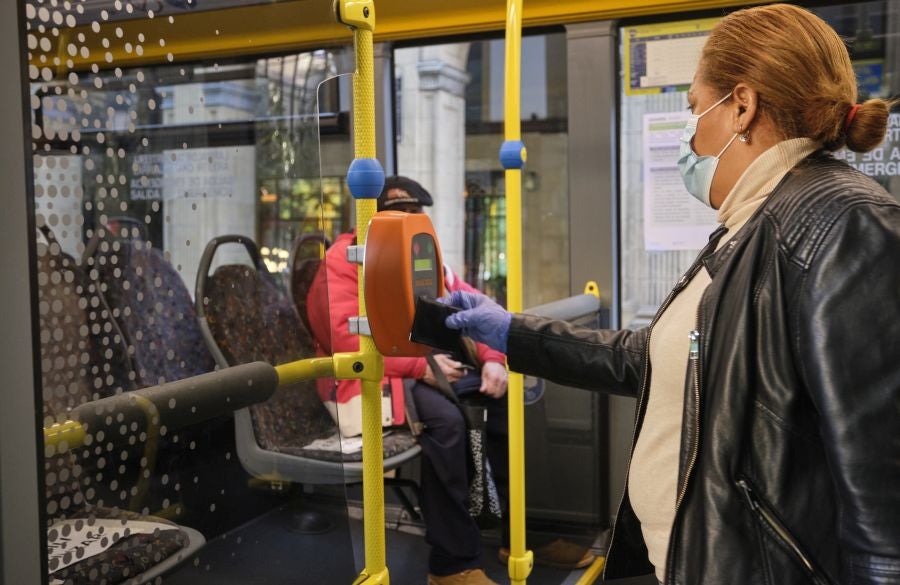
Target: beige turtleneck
<point x="654" y="466"/>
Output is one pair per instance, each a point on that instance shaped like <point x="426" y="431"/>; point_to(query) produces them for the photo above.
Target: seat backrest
<point x="249" y="319"/>
<point x="83" y="351"/>
<point x="83" y="358"/>
<point x="153" y="308"/>
<point x="306" y="256"/>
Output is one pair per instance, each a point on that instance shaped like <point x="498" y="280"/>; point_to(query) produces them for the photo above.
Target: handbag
<point x="484" y="500"/>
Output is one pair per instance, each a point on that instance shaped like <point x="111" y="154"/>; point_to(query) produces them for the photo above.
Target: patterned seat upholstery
<point x="250" y="319"/>
<point x="129" y="557"/>
<point x="83" y="352"/>
<point x="155" y="311"/>
<point x="83" y="358"/>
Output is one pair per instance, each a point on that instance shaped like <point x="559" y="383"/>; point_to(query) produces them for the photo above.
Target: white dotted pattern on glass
<point x="139" y="162"/>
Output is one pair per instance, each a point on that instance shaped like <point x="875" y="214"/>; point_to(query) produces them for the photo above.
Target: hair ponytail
<point x="868" y="126"/>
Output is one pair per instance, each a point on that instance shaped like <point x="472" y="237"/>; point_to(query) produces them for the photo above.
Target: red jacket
<point x="329" y="307"/>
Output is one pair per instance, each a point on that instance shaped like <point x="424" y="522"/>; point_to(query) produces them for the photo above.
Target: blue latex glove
<point x="481" y="319"/>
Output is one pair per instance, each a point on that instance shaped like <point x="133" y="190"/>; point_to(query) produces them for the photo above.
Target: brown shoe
<point x="469" y="577"/>
<point x="559" y="554"/>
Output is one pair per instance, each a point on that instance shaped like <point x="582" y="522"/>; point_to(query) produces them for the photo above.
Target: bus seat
<point x="151" y="304"/>
<point x="84" y="358"/>
<point x="85" y="353"/>
<point x="246" y="318"/>
<point x="306" y="255"/>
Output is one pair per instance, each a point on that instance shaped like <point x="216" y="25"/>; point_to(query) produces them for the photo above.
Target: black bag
<point x="484" y="501"/>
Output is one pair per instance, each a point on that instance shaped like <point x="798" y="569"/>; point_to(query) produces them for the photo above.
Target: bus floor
<point x="268" y="550"/>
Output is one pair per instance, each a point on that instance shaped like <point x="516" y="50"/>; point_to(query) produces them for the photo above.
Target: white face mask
<point x="697" y="171"/>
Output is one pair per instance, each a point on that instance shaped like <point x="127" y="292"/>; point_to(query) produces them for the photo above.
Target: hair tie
<point x="851" y="115"/>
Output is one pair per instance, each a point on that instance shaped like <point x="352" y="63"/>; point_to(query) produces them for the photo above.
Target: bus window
<point x="662" y="227"/>
<point x="449" y="113"/>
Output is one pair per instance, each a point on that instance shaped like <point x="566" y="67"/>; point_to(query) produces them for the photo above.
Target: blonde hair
<point x="801" y="70"/>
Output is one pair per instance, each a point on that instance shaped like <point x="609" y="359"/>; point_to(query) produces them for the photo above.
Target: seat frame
<point x="259" y="462"/>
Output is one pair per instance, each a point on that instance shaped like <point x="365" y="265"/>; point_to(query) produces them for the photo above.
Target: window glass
<point x="138" y="169"/>
<point x="662" y="226"/>
<point x="449" y="114"/>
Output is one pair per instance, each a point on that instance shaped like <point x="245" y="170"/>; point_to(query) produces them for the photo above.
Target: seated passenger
<point x="452" y="533"/>
<point x="455" y="557"/>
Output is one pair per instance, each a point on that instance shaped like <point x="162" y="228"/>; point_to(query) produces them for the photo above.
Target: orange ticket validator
<point x="402" y="263"/>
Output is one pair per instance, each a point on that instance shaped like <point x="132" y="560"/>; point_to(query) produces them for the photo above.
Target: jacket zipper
<point x="672" y="294"/>
<point x="694" y="360"/>
<point x="694" y="363"/>
<point x="787" y="539"/>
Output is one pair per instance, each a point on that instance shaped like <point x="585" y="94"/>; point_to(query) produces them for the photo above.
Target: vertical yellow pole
<point x="373" y="454"/>
<point x="512" y="156"/>
<point x="366" y="179"/>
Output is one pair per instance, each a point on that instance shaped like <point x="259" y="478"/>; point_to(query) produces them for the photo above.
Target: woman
<point x="767" y="438"/>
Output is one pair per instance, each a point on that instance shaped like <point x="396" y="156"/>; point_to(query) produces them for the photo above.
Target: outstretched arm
<point x="611" y="361"/>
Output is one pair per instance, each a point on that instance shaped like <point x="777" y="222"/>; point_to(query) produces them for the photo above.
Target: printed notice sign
<point x="663" y="57"/>
<point x="673" y="219"/>
<point x="147" y="177"/>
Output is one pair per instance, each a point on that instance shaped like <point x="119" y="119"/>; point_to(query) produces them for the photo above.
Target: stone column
<point x="431" y="135"/>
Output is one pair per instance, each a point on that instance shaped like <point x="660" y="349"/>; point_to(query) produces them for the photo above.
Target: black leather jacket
<point x="790" y="448"/>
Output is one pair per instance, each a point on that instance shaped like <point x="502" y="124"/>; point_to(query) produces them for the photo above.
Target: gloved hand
<point x="481" y="319"/>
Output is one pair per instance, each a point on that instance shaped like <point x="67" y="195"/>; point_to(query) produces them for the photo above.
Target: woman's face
<point x="714" y="128"/>
<point x="714" y="131"/>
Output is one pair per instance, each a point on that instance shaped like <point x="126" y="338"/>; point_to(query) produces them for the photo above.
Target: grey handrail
<point x="179" y="404"/>
<point x="568" y="309"/>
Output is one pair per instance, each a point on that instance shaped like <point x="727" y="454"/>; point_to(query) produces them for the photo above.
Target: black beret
<point x="415" y="193"/>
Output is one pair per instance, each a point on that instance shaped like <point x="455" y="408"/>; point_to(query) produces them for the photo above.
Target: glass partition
<point x="171" y="199"/>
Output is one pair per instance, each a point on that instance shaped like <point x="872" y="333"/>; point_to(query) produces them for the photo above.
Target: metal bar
<point x="592" y="573"/>
<point x="360" y="16"/>
<point x="567" y="309"/>
<point x="512" y="155"/>
<point x="305" y="370"/>
<point x="22" y="534"/>
<point x="176" y="404"/>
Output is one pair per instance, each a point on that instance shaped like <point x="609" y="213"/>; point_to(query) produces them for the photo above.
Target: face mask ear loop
<point x="712" y="107"/>
<point x="721" y="152"/>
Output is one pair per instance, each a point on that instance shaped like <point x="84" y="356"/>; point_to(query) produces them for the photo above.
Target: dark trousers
<point x="452" y="534"/>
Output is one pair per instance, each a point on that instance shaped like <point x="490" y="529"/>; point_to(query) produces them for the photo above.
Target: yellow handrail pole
<point x="308" y="369"/>
<point x="592" y="573"/>
<point x="366" y="179"/>
<point x="512" y="156"/>
<point x="60" y="437"/>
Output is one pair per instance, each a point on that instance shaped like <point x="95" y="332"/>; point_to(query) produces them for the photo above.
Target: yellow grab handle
<point x="365" y="179"/>
<point x="513" y="156"/>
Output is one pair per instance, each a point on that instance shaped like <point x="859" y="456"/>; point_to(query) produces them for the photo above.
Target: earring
<point x="745" y="137"/>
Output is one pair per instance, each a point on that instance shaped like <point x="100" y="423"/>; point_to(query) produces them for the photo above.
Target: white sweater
<point x="654" y="467"/>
